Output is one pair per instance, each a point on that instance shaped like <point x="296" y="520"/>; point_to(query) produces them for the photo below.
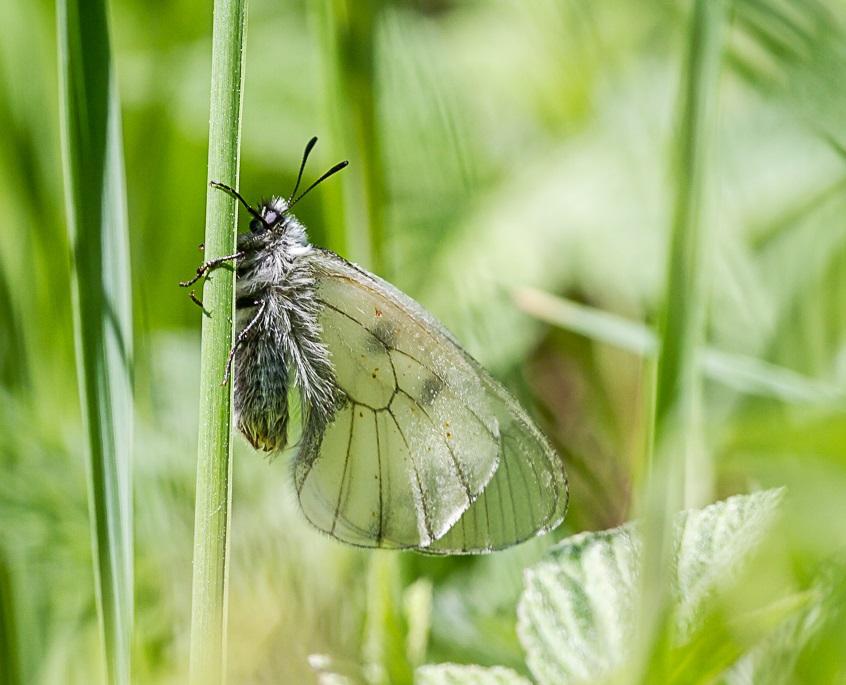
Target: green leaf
<point x="473" y="613"/>
<point x="454" y="674"/>
<point x="576" y="616"/>
<point x="773" y="660"/>
<point x="710" y="544"/>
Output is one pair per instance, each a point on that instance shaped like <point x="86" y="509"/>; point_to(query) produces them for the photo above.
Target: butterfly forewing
<point x="427" y="451"/>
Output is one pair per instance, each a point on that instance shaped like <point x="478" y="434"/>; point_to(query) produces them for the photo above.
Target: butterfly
<point x="407" y="441"/>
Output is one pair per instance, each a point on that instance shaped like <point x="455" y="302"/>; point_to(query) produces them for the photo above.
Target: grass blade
<point x="214" y="450"/>
<point x="10" y="666"/>
<point x="739" y="372"/>
<point x="675" y="459"/>
<point x="348" y="43"/>
<point x="385" y="632"/>
<point x="97" y="224"/>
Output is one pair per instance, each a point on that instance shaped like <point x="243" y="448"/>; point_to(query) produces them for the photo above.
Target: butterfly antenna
<point x="234" y="193"/>
<point x="334" y="170"/>
<point x="308" y="148"/>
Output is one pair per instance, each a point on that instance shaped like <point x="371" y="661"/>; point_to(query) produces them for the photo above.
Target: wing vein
<point x="379" y="466"/>
<point x="344" y="473"/>
<point x="510" y="491"/>
<point x="501" y="508"/>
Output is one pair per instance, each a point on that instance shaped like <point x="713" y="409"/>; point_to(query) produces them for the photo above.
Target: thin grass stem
<point x="10" y="652"/>
<point x="676" y="447"/>
<point x="214" y="451"/>
<point x="744" y="374"/>
<point x="348" y="41"/>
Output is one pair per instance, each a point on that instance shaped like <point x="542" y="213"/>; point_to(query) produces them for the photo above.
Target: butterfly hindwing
<point x="428" y="451"/>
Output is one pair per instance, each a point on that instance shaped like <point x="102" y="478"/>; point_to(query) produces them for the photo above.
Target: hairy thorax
<point x="278" y="310"/>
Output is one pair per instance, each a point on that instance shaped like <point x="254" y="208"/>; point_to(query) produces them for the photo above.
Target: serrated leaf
<point x="576" y="615"/>
<point x="711" y="544"/>
<point x="455" y="674"/>
<point x="773" y="660"/>
<point x="575" y="618"/>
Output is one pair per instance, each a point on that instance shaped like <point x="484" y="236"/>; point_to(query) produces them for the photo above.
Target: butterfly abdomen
<point x="278" y="323"/>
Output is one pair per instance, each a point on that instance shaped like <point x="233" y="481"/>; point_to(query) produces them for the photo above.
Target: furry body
<point x="279" y="332"/>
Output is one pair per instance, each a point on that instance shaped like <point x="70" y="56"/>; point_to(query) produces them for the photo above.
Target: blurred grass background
<point x="496" y="145"/>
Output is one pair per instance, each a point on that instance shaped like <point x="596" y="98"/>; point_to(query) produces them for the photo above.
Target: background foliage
<point x="496" y="147"/>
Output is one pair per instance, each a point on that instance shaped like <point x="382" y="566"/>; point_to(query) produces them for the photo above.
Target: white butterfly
<point x="407" y="441"/>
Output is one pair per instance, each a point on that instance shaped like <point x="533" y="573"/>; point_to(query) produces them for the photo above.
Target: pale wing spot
<point x="443" y="489"/>
<point x="473" y="441"/>
<point x="406" y="516"/>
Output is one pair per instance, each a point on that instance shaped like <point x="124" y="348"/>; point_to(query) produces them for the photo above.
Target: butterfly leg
<point x="197" y="301"/>
<point x="242" y="336"/>
<point x="205" y="267"/>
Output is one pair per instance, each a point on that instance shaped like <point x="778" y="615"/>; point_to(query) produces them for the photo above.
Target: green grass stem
<point x="385" y="630"/>
<point x="348" y="46"/>
<point x="10" y="666"/>
<point x="214" y="451"/>
<point x="97" y="225"/>
<point x="739" y="372"/>
<point x="676" y="457"/>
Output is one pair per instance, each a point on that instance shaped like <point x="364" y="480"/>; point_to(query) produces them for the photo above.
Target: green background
<point x="504" y="145"/>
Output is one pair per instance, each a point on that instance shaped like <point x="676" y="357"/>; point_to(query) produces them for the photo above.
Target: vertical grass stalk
<point x="97" y="225"/>
<point x="385" y="630"/>
<point x="675" y="431"/>
<point x="10" y="666"/>
<point x="348" y="40"/>
<point x="214" y="451"/>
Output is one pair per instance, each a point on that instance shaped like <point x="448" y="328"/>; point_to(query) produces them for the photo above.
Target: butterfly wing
<point x="428" y="451"/>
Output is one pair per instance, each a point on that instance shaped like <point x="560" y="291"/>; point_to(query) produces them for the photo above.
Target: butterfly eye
<point x="257" y="226"/>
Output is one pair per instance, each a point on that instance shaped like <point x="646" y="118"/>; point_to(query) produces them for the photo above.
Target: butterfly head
<point x="273" y="217"/>
<point x="271" y="214"/>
